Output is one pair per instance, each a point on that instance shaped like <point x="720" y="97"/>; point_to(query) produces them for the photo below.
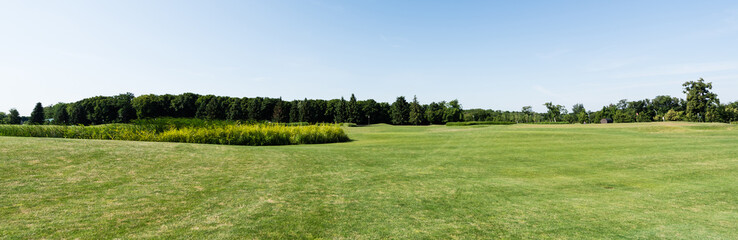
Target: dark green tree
<point x="453" y="112"/>
<point x="3" y="118"/>
<point x="370" y="108"/>
<point x="61" y="117"/>
<point x="303" y="111"/>
<point x="554" y="111"/>
<point x="151" y="106"/>
<point x="434" y="112"/>
<point x="235" y="111"/>
<point x="37" y="116"/>
<point x="415" y="117"/>
<point x="400" y="111"/>
<point x="185" y="105"/>
<point x="254" y="109"/>
<point x="340" y="111"/>
<point x="528" y="113"/>
<point x="294" y="111"/>
<point x="352" y="110"/>
<point x="280" y="112"/>
<point x="14" y="117"/>
<point x="699" y="99"/>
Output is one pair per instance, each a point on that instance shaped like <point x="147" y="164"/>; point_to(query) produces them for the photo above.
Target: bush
<point x="549" y="123"/>
<point x="478" y="123"/>
<point x="672" y="115"/>
<point x="177" y="130"/>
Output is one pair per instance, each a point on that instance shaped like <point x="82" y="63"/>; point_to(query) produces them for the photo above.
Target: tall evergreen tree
<point x="304" y="111"/>
<point x="339" y="114"/>
<point x="294" y="111"/>
<point x="399" y="111"/>
<point x="416" y="112"/>
<point x="37" y="116"/>
<point x="279" y="112"/>
<point x="353" y="110"/>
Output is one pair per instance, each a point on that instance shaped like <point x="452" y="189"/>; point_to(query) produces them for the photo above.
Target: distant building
<point x="606" y="120"/>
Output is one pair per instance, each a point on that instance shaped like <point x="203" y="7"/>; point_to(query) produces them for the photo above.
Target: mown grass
<point x="188" y="131"/>
<point x="614" y="181"/>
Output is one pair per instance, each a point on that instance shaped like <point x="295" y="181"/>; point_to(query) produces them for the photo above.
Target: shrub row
<point x="253" y="135"/>
<point x="478" y="123"/>
<point x="549" y="123"/>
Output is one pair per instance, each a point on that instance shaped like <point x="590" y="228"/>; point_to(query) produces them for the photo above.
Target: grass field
<point x="659" y="180"/>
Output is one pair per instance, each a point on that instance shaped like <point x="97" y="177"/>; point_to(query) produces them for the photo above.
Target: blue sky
<point x="488" y="54"/>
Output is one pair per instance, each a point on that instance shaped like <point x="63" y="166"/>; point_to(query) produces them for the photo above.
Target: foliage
<point x="37" y="116"/>
<point x="548" y="123"/>
<point x="415" y="117"/>
<point x="188" y="131"/>
<point x="400" y="111"/>
<point x="14" y="117"/>
<point x="554" y="111"/>
<point x="478" y="123"/>
<point x="453" y="112"/>
<point x="672" y="115"/>
<point x="699" y="99"/>
<point x="352" y="110"/>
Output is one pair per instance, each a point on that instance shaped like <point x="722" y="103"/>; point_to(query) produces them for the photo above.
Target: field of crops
<point x="609" y="181"/>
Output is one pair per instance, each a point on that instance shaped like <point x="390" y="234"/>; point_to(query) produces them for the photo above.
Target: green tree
<point x="554" y="111"/>
<point x="416" y="112"/>
<point x="434" y="112"/>
<point x="699" y="99"/>
<point x="294" y="111"/>
<point x="14" y="117"/>
<point x="453" y="112"/>
<point x="78" y="114"/>
<point x="400" y="111"/>
<point x="235" y="112"/>
<point x="61" y="116"/>
<point x="150" y="106"/>
<point x="371" y="110"/>
<point x="528" y="112"/>
<point x="303" y="111"/>
<point x="37" y="116"/>
<point x="352" y="110"/>
<point x="281" y="111"/>
<point x="3" y="118"/>
<point x="254" y="109"/>
<point x="185" y="105"/>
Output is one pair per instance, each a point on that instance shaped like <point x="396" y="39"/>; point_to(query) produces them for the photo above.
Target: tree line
<point x="126" y="107"/>
<point x="701" y="105"/>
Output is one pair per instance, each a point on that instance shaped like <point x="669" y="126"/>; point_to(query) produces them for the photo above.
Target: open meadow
<point x="672" y="180"/>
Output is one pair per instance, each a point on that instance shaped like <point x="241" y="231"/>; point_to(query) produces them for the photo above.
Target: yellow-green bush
<point x="233" y="134"/>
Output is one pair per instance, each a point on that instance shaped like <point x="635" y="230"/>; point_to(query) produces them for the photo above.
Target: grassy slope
<point x="523" y="181"/>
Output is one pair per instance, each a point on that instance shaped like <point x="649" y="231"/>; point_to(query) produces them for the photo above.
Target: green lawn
<point x="660" y="180"/>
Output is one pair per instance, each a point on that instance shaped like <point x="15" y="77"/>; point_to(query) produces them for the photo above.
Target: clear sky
<point x="488" y="54"/>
